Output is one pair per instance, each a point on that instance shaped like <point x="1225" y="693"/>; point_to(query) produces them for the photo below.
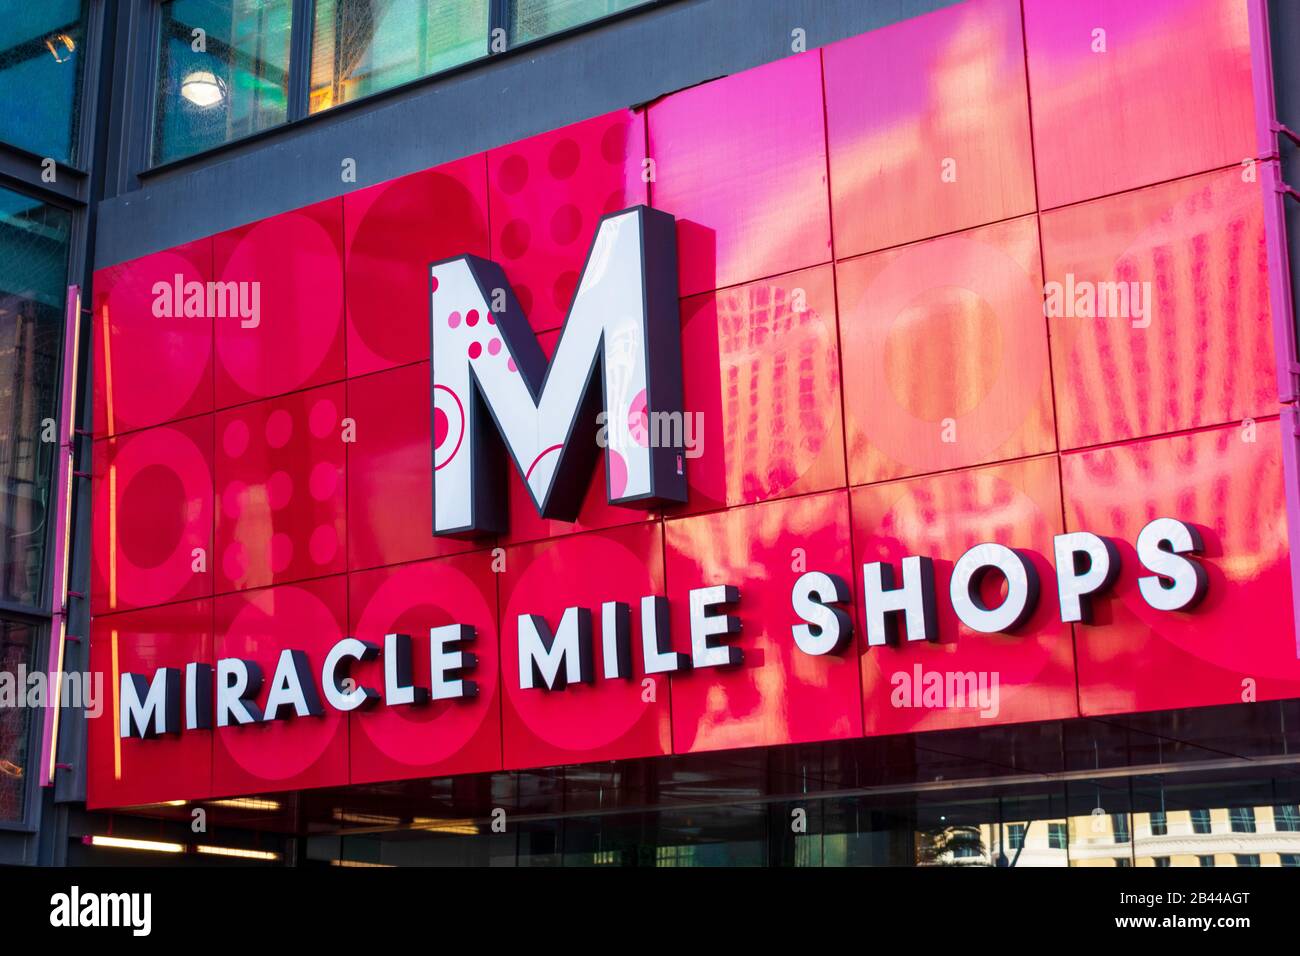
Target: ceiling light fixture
<point x="61" y="40"/>
<point x="237" y="852"/>
<point x="122" y="843"/>
<point x="203" y="88"/>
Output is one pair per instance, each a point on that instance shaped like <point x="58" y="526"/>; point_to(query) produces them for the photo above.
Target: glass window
<point x="1159" y="824"/>
<point x="17" y="647"/>
<point x="223" y="72"/>
<point x="360" y="47"/>
<point x="1290" y="859"/>
<point x="1015" y="836"/>
<point x="1247" y="859"/>
<point x="1200" y="821"/>
<point x="1207" y="860"/>
<point x="533" y="19"/>
<point x="1057" y="836"/>
<point x="1243" y="819"/>
<point x="41" y="64"/>
<point x="1119" y="823"/>
<point x="1286" y="818"/>
<point x="1161" y="861"/>
<point x="33" y="292"/>
<point x="1123" y="861"/>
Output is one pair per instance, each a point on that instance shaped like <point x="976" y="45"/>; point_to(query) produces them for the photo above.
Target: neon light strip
<point x="62" y="497"/>
<point x="117" y="714"/>
<point x="112" y="537"/>
<point x="108" y="372"/>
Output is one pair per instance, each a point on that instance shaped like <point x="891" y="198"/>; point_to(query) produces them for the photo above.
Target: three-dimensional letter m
<point x="493" y="389"/>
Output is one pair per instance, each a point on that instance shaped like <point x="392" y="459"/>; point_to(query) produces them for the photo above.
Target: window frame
<point x="39" y="616"/>
<point x="78" y="161"/>
<point x="1246" y="815"/>
<point x="152" y="28"/>
<point x="29" y="822"/>
<point x="499" y="16"/>
<point x="70" y="196"/>
<point x="149" y="27"/>
<point x="1058" y="831"/>
<point x="21" y="172"/>
<point x="496" y="9"/>
<point x="1017" y="833"/>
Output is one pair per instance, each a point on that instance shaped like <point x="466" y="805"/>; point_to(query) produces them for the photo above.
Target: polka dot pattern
<point x="157" y="508"/>
<point x="477" y="331"/>
<point x="256" y="626"/>
<point x="389" y="245"/>
<point x="235" y="438"/>
<point x="279" y="428"/>
<point x="389" y="481"/>
<point x="159" y="369"/>
<point x="296" y="338"/>
<point x="279" y="478"/>
<point x="546" y="196"/>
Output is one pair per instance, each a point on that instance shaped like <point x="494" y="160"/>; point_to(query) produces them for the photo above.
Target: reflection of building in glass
<point x="1238" y="836"/>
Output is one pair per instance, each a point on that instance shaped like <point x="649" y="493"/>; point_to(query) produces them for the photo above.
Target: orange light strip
<point x="108" y="372"/>
<point x="117" y="714"/>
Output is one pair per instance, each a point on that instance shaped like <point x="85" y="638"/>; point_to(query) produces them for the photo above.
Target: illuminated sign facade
<point x="768" y="413"/>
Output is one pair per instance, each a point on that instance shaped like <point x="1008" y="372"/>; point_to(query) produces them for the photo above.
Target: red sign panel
<point x="913" y="346"/>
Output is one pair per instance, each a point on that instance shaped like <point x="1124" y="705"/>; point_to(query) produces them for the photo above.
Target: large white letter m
<point x="487" y="369"/>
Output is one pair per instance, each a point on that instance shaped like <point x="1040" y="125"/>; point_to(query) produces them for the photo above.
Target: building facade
<point x="916" y="485"/>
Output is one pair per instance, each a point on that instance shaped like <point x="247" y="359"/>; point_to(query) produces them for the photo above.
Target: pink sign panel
<point x="949" y="389"/>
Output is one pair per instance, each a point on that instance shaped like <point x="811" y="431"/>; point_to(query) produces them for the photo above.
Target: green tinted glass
<point x="360" y="47"/>
<point x="41" y="65"/>
<point x="33" y="283"/>
<point x="533" y="19"/>
<point x="223" y="72"/>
